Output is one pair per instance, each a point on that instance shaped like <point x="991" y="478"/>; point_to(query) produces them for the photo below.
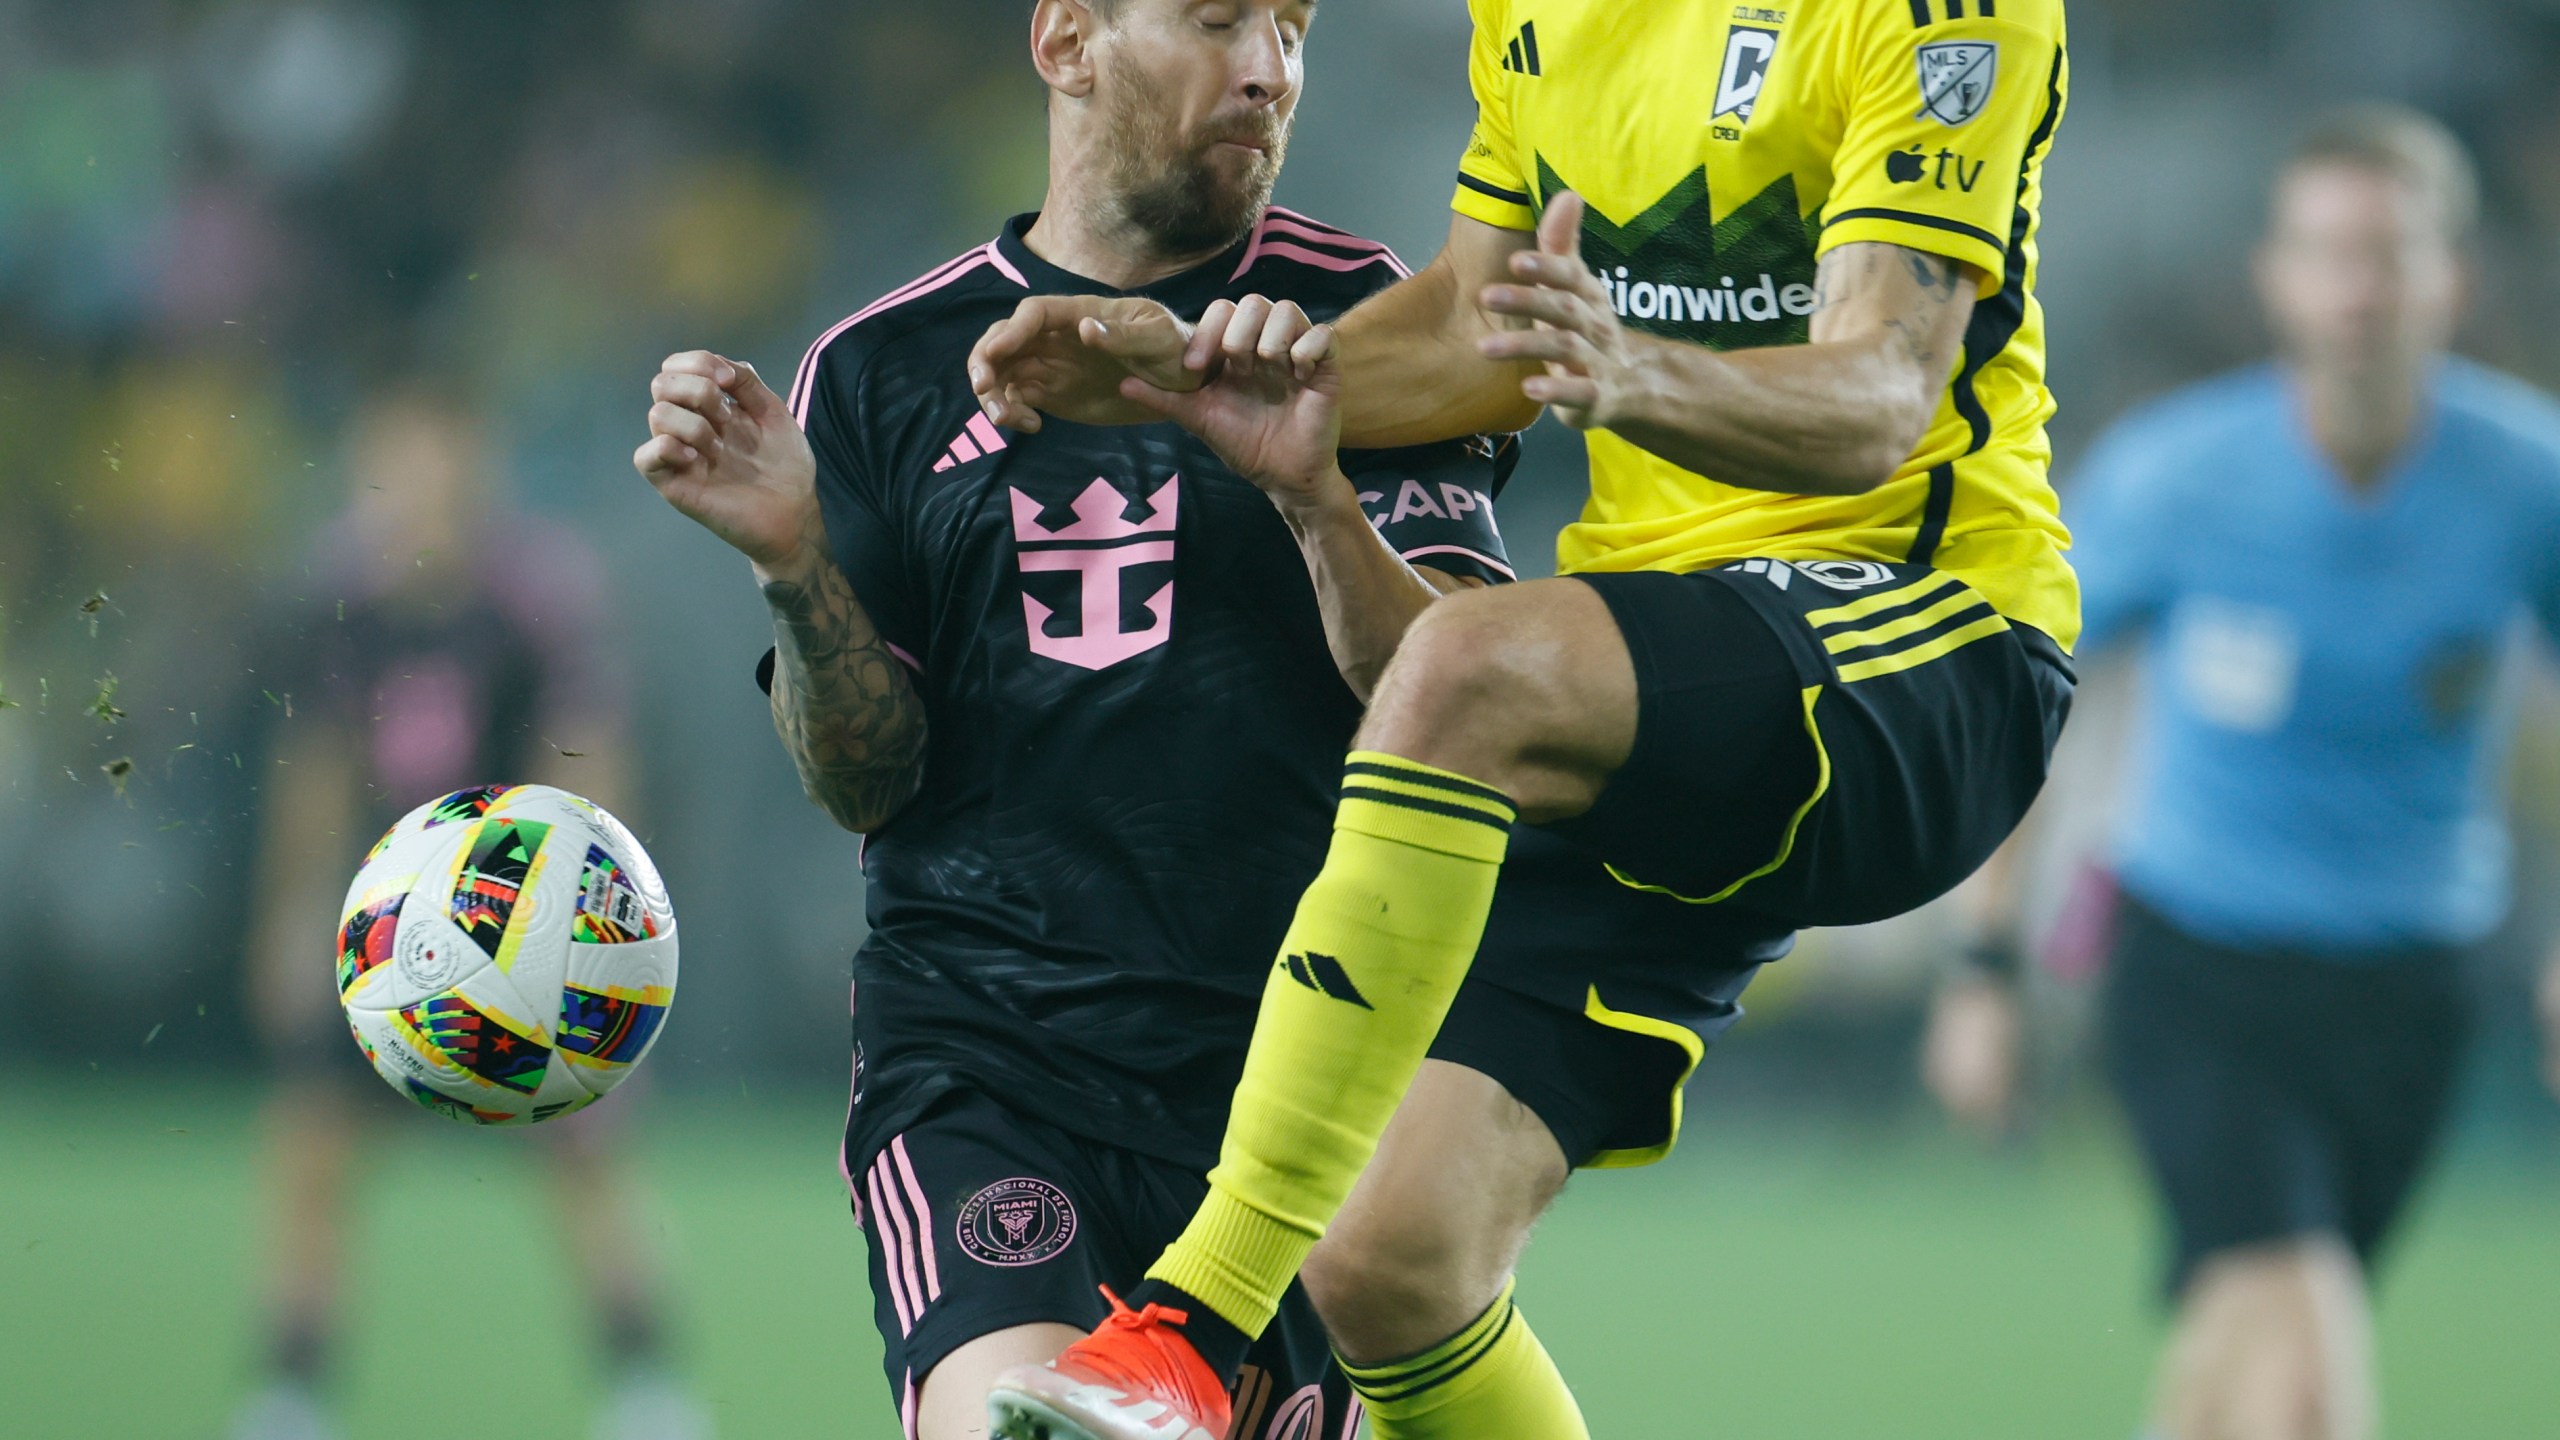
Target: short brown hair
<point x="2407" y="145"/>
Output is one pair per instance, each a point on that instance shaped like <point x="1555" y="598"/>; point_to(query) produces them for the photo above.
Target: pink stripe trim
<point x="1351" y="1419"/>
<point x="844" y="1159"/>
<point x="904" y="658"/>
<point x="940" y="274"/>
<point x="888" y="1179"/>
<point x="907" y="1410"/>
<point x="1282" y="220"/>
<point x="1283" y="250"/>
<point x="1303" y="218"/>
<point x="1476" y="555"/>
<point x="1277" y="221"/>
<point x="924" y="1216"/>
<point x="887" y="1237"/>
<point x="987" y="254"/>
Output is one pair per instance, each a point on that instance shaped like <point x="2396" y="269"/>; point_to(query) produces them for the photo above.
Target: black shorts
<point x="982" y="1219"/>
<point x="2278" y="1094"/>
<point x="1817" y="743"/>
<point x="1605" y="1081"/>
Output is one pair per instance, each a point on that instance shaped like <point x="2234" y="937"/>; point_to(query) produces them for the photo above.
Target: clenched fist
<point x="725" y="450"/>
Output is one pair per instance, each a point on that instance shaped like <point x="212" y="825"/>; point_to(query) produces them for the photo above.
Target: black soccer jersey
<point x="1135" y="725"/>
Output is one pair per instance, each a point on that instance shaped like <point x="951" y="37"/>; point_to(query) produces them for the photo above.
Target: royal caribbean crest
<point x="1956" y="78"/>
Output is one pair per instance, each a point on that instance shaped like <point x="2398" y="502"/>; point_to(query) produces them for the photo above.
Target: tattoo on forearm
<point x="1859" y="270"/>
<point x="1918" y="331"/>
<point x="1935" y="273"/>
<point x="846" y="710"/>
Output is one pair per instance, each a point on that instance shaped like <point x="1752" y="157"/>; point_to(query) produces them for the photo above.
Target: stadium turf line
<point x="1823" y="1280"/>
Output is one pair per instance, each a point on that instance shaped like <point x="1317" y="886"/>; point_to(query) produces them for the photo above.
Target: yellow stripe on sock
<point x="1370" y="767"/>
<point x="1397" y="799"/>
<point x="1491" y="1379"/>
<point x="1493" y="811"/>
<point x="1922" y="654"/>
<point x="1858" y="609"/>
<point x="1466" y="839"/>
<point x="1390" y="1379"/>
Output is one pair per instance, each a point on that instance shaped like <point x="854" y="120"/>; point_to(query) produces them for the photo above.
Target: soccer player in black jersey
<point x="1078" y="690"/>
<point x="1803" y="665"/>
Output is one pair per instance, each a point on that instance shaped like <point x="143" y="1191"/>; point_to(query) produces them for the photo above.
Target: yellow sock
<point x="1364" y="979"/>
<point x="1491" y="1379"/>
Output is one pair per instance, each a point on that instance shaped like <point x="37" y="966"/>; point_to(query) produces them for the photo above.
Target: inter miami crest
<point x="1956" y="78"/>
<point x="1015" y="1222"/>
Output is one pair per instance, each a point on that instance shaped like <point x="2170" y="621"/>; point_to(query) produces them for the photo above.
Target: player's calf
<point x="1414" y="1279"/>
<point x="1439" y="1218"/>
<point x="951" y="1404"/>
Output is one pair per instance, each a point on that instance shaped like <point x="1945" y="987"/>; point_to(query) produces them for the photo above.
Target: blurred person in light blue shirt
<point x="2333" y="564"/>
<point x="2330" y="689"/>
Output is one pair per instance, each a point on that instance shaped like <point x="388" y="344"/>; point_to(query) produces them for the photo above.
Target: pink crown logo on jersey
<point x="1098" y="546"/>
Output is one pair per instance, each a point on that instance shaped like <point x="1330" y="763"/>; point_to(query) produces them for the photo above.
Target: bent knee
<point x="1528" y="688"/>
<point x="1367" y="1264"/>
<point x="1452" y="657"/>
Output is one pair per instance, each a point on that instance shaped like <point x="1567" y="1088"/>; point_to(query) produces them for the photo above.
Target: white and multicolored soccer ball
<point x="506" y="954"/>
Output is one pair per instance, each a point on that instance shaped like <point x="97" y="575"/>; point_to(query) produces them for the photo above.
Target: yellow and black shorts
<point x="1821" y="742"/>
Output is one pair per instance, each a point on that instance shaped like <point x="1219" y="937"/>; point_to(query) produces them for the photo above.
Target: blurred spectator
<point x="464" y="647"/>
<point x="2331" y="560"/>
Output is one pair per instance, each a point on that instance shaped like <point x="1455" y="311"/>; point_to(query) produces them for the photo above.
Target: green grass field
<point x="1815" y="1283"/>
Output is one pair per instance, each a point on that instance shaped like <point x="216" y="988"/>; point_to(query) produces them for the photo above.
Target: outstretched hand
<point x="1273" y="413"/>
<point x="725" y="451"/>
<point x="1590" y="357"/>
<point x="1066" y="355"/>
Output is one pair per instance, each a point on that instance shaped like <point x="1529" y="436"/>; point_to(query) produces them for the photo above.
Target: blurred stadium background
<point x="221" y="222"/>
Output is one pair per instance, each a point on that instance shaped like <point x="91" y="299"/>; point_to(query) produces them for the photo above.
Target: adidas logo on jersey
<point x="978" y="437"/>
<point x="1324" y="975"/>
<point x="1923" y="16"/>
<point x="1521" y="58"/>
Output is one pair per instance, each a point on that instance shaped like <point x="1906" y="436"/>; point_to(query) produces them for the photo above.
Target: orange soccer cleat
<point x="1136" y="1377"/>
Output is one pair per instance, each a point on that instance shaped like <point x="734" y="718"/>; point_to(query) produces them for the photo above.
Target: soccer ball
<point x="506" y="954"/>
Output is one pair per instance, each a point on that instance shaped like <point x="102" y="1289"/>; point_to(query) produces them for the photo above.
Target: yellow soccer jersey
<point x="1723" y="149"/>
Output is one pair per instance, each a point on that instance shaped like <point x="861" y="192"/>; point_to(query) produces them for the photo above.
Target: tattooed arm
<point x="841" y="701"/>
<point x="725" y="451"/>
<point x="1836" y="416"/>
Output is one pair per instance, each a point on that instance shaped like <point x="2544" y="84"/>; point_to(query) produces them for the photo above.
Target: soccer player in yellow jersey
<point x="1804" y="666"/>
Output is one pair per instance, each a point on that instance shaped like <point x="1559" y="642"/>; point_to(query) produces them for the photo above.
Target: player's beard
<point x="1170" y="188"/>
